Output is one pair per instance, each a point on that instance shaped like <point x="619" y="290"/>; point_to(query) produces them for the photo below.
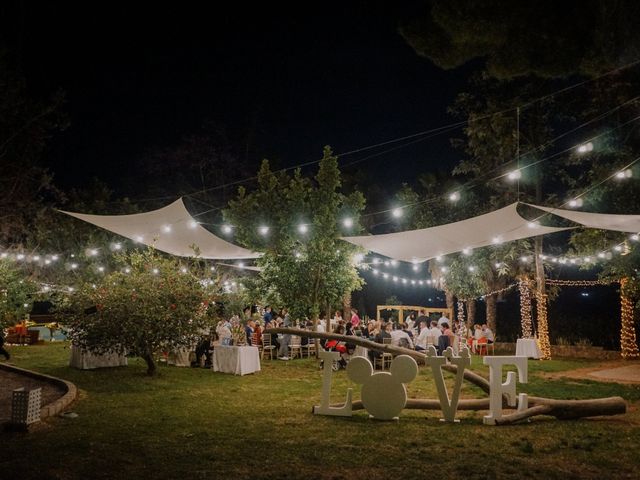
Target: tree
<point x="545" y="38"/>
<point x="296" y="222"/>
<point x="16" y="293"/>
<point x="148" y="306"/>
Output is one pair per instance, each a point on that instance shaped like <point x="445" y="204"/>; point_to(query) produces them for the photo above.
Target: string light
<point x="416" y="268"/>
<point x="628" y="340"/>
<point x="460" y="311"/>
<point x="303" y="228"/>
<point x="532" y="225"/>
<point x="543" y="326"/>
<point x="514" y="175"/>
<point x="347" y="222"/>
<point x="263" y="230"/>
<point x="117" y="246"/>
<point x="193" y="224"/>
<point x="525" y="309"/>
<point x="139" y="238"/>
<point x="585" y="147"/>
<point x="472" y="268"/>
<point x="396" y="212"/>
<point x="575" y="202"/>
<point x="454" y="197"/>
<point x="466" y="251"/>
<point x="227" y="229"/>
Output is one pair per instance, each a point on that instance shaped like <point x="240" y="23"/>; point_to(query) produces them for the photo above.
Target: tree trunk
<point x="450" y="297"/>
<point x="471" y="313"/>
<point x="492" y="303"/>
<point x="151" y="364"/>
<point x="346" y="307"/>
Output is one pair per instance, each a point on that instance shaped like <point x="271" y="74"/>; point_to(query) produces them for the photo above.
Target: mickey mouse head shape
<point x="383" y="393"/>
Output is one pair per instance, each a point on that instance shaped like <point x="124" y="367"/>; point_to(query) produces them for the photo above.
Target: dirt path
<point x="10" y="381"/>
<point x="618" y="371"/>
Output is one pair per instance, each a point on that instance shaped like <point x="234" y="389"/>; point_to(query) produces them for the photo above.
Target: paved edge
<point x="61" y="403"/>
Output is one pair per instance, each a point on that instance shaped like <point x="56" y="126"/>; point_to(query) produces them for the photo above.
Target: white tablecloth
<point x="527" y="347"/>
<point x="236" y="360"/>
<point x="85" y="360"/>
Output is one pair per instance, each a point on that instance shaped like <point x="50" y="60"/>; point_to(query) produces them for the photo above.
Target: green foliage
<point x="545" y="38"/>
<point x="153" y="307"/>
<point x="302" y="271"/>
<point x="16" y="291"/>
<point x="393" y="300"/>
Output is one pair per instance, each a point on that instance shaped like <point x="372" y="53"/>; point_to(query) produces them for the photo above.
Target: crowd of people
<point x="417" y="332"/>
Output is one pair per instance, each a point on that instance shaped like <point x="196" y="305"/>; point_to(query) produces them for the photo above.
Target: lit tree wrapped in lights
<point x="302" y="269"/>
<point x="628" y="340"/>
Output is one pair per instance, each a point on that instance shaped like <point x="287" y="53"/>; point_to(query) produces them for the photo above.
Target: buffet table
<point x="236" y="360"/>
<point x="86" y="360"/>
<point x="527" y="347"/>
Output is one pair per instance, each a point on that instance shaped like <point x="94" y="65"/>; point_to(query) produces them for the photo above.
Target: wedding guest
<point x="355" y="319"/>
<point x="487" y="333"/>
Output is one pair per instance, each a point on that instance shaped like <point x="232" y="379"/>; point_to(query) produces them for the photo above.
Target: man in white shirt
<point x="442" y="320"/>
<point x="400" y="338"/>
<point x="421" y="341"/>
<point x="435" y="331"/>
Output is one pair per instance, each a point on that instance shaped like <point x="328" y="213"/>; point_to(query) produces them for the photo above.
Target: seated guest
<point x="274" y="336"/>
<point x="446" y="339"/>
<point x="487" y="333"/>
<point x="372" y="331"/>
<point x="204" y="348"/>
<point x="435" y="331"/>
<point x="400" y="338"/>
<point x="408" y="330"/>
<point x="421" y="342"/>
<point x="379" y="338"/>
<point x="248" y="331"/>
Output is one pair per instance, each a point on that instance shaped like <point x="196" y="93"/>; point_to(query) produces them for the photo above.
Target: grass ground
<point x="193" y="423"/>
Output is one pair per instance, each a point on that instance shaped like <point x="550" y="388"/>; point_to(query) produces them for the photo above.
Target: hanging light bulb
<point x="404" y="280"/>
<point x="385" y="275"/>
<point x="396" y="212"/>
<point x="514" y="175"/>
<point x="375" y="271"/>
<point x="587" y="259"/>
<point x="20" y="256"/>
<point x="227" y="229"/>
<point x="575" y="202"/>
<point x="395" y="279"/>
<point x="74" y="266"/>
<point x="472" y="268"/>
<point x="416" y="268"/>
<point x="183" y="269"/>
<point x="634" y="237"/>
<point x="193" y="224"/>
<point x="155" y="271"/>
<point x="101" y="269"/>
<point x="347" y="222"/>
<point x="439" y="258"/>
<point x="375" y="261"/>
<point x="572" y="261"/>
<point x="394" y="263"/>
<point x="443" y="269"/>
<point x="303" y="228"/>
<point x="524" y="259"/>
<point x="93" y="252"/>
<point x="618" y="248"/>
<point x="467" y="251"/>
<point x="454" y="197"/>
<point x="117" y="246"/>
<point x="54" y="258"/>
<point x="127" y="270"/>
<point x="4" y="255"/>
<point x="70" y="289"/>
<point x="139" y="238"/>
<point x="496" y="240"/>
<point x="264" y="230"/>
<point x="429" y="281"/>
<point x="166" y="228"/>
<point x="498" y="264"/>
<point x="36" y="258"/>
<point x="420" y="282"/>
<point x="47" y="262"/>
<point x="534" y="224"/>
<point x="585" y="148"/>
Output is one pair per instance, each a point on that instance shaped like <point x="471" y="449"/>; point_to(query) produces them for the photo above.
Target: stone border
<point x="60" y="404"/>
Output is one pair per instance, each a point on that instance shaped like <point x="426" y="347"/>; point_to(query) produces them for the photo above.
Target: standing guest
<point x="446" y="339"/>
<point x="435" y="331"/>
<point x="442" y="320"/>
<point x="3" y="351"/>
<point x="268" y="316"/>
<point x="355" y="319"/>
<point x="410" y="321"/>
<point x="286" y="338"/>
<point x="336" y="320"/>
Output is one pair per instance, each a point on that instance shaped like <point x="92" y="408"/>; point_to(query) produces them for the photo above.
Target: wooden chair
<point x="256" y="341"/>
<point x="384" y="358"/>
<point x="483" y="344"/>
<point x="295" y="347"/>
<point x="267" y="346"/>
<point x="310" y="347"/>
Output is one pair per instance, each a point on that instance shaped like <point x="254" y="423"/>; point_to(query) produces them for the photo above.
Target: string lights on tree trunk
<point x="461" y="311"/>
<point x="543" y="326"/>
<point x="525" y="309"/>
<point x="628" y="340"/>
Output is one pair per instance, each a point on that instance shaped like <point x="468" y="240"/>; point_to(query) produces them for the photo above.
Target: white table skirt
<point x="85" y="360"/>
<point x="236" y="360"/>
<point x="180" y="358"/>
<point x="527" y="347"/>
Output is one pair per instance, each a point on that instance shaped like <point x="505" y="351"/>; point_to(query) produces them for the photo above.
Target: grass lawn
<point x="193" y="423"/>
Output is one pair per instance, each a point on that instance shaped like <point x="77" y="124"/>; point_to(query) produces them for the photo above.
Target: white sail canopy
<point x="170" y="229"/>
<point x="502" y="225"/>
<point x="603" y="221"/>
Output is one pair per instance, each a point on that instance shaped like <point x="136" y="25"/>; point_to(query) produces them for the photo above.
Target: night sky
<point x="291" y="81"/>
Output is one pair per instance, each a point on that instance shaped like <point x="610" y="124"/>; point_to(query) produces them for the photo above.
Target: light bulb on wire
<point x="396" y="212"/>
<point x="454" y="196"/>
<point x="347" y="222"/>
<point x="514" y="175"/>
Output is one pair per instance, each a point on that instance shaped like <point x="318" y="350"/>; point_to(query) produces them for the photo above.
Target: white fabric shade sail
<point x="603" y="221"/>
<point x="499" y="226"/>
<point x="170" y="229"/>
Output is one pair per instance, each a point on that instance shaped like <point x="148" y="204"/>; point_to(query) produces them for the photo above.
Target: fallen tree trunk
<point x="561" y="409"/>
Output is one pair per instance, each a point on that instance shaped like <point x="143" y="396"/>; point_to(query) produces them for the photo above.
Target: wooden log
<point x="419" y="357"/>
